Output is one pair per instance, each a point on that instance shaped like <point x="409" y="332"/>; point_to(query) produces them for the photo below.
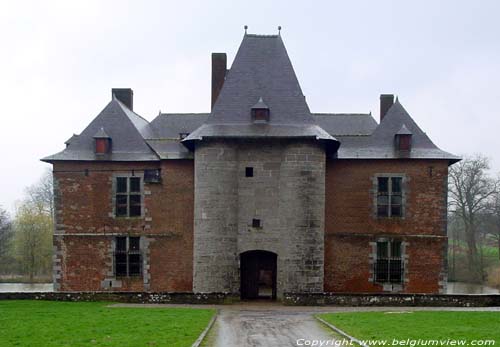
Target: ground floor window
<point x="389" y="263"/>
<point x="128" y="259"/>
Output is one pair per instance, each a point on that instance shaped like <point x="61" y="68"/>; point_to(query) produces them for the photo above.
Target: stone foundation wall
<point x="291" y="299"/>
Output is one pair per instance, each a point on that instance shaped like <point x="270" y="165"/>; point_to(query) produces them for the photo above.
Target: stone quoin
<point x="257" y="198"/>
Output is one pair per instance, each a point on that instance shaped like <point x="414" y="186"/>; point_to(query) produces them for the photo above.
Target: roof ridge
<point x="185" y="113"/>
<point x="263" y="35"/>
<point x="339" y="114"/>
<point x="123" y="105"/>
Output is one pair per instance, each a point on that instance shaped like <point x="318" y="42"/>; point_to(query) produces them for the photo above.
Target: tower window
<point x="249" y="171"/>
<point x="256" y="223"/>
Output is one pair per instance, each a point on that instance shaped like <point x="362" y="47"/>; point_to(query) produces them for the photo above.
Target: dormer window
<point x="260" y="112"/>
<point x="102" y="142"/>
<point x="403" y="139"/>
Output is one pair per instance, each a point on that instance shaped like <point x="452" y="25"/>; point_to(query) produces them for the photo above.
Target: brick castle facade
<point x="256" y="198"/>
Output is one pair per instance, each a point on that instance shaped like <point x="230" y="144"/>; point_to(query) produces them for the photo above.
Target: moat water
<point x="453" y="288"/>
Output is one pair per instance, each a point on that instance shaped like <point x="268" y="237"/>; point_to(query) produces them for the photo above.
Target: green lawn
<point x="426" y="325"/>
<point x="47" y="323"/>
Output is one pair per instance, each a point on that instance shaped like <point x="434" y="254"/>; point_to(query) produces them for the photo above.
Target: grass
<point x="426" y="325"/>
<point x="74" y="324"/>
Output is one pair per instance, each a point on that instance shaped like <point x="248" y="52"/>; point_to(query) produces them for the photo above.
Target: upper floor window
<point x="389" y="262"/>
<point x="389" y="197"/>
<point x="128" y="197"/>
<point x="128" y="260"/>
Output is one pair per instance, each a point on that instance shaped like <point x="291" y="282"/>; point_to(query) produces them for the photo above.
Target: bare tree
<point x="470" y="189"/>
<point x="494" y="219"/>
<point x="5" y="241"/>
<point x="41" y="194"/>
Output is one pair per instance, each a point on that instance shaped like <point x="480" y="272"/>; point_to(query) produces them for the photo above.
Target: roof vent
<point x="102" y="142"/>
<point x="402" y="139"/>
<point x="260" y="112"/>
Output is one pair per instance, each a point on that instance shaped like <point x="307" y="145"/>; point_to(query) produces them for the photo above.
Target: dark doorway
<point x="258" y="275"/>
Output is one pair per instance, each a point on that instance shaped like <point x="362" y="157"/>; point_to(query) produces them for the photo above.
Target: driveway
<point x="274" y="325"/>
<point x="264" y="327"/>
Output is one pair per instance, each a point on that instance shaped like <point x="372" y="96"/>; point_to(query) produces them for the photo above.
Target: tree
<point x="470" y="190"/>
<point x="33" y="239"/>
<point x="494" y="219"/>
<point x="6" y="263"/>
<point x="41" y="194"/>
<point x="33" y="228"/>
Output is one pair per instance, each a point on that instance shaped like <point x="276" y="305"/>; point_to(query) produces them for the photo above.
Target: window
<point x="249" y="172"/>
<point x="404" y="142"/>
<point x="261" y="115"/>
<point x="152" y="176"/>
<point x="128" y="260"/>
<point x="389" y="263"/>
<point x="256" y="223"/>
<point x="389" y="197"/>
<point x="128" y="197"/>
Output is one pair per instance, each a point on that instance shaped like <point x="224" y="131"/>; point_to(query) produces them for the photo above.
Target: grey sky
<point x="60" y="60"/>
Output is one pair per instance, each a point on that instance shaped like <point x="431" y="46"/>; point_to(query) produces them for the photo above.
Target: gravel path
<point x="254" y="328"/>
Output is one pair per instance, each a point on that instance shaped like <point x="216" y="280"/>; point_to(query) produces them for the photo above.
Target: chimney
<point x="125" y="95"/>
<point x="386" y="101"/>
<point x="219" y="66"/>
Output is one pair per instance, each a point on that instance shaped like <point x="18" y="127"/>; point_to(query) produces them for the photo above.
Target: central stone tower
<point x="259" y="178"/>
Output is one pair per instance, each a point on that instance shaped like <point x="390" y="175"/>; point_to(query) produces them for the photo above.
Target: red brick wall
<point x="351" y="223"/>
<point x="84" y="216"/>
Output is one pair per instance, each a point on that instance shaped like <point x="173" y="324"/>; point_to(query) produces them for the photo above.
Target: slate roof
<point x="339" y="124"/>
<point x="126" y="129"/>
<point x="170" y="125"/>
<point x="380" y="144"/>
<point x="261" y="69"/>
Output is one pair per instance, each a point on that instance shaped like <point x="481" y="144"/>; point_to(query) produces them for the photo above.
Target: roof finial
<point x="279" y="30"/>
<point x="246" y="27"/>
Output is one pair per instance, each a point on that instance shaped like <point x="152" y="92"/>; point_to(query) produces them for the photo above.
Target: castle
<point x="257" y="198"/>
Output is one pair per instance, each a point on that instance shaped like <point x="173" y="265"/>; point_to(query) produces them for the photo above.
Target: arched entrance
<point x="258" y="275"/>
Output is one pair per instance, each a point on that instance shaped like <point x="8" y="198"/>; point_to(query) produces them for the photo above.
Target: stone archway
<point x="258" y="275"/>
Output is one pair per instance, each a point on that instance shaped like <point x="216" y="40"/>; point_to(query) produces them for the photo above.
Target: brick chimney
<point x="125" y="95"/>
<point x="219" y="66"/>
<point x="386" y="101"/>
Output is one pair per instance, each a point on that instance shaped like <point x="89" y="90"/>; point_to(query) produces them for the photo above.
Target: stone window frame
<point x="112" y="282"/>
<point x="388" y="286"/>
<point x="139" y="174"/>
<point x="127" y="253"/>
<point x="404" y="194"/>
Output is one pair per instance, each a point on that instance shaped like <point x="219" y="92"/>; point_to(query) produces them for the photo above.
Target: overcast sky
<point x="60" y="59"/>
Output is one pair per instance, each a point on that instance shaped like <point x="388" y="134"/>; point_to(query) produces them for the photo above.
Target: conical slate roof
<point x="261" y="69"/>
